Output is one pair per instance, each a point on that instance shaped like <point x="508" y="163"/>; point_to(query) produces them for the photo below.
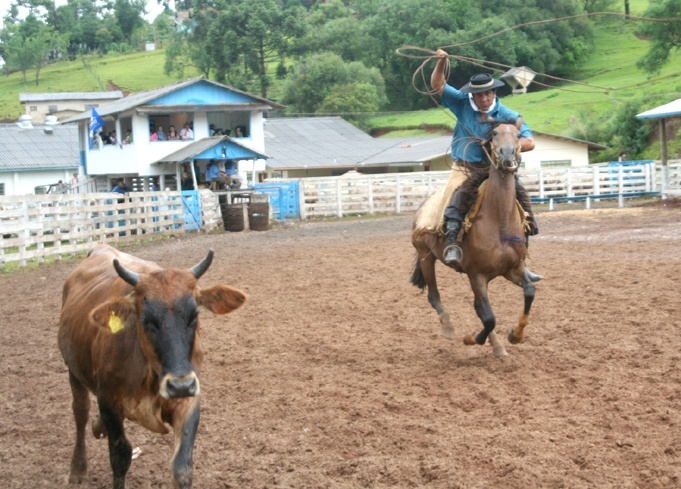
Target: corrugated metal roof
<point x="140" y="98"/>
<point x="35" y="149"/>
<point x="331" y="142"/>
<point x="48" y="97"/>
<point x="672" y="109"/>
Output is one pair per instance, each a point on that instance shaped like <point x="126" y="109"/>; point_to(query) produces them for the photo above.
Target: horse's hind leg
<point x="516" y="335"/>
<point x="426" y="265"/>
<point x="484" y="311"/>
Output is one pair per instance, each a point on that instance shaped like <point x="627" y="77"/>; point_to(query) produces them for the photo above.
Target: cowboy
<point x="473" y="105"/>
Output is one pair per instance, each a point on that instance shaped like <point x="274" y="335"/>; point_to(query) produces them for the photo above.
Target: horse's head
<point x="504" y="145"/>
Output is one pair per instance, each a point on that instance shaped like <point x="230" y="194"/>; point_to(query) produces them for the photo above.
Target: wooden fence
<point x="404" y="192"/>
<point x="35" y="227"/>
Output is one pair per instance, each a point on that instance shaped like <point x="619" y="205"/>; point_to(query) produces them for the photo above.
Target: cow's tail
<point x="417" y="277"/>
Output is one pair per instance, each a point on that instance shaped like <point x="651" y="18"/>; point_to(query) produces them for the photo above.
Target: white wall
<point x="553" y="149"/>
<point x="24" y="182"/>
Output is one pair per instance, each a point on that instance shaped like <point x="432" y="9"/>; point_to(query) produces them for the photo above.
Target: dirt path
<point x="334" y="375"/>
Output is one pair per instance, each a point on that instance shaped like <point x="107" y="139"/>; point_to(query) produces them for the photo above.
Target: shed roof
<point x="317" y="142"/>
<point x="141" y="98"/>
<point x="332" y="142"/>
<point x="195" y="149"/>
<point x="49" y="97"/>
<point x="41" y="147"/>
<point x="672" y="109"/>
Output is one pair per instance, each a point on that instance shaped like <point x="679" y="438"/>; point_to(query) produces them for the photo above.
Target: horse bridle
<point x="495" y="158"/>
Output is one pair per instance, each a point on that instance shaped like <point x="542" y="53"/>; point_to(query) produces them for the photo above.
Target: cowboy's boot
<point x="452" y="253"/>
<point x="524" y="199"/>
<point x="453" y="220"/>
<point x="531" y="275"/>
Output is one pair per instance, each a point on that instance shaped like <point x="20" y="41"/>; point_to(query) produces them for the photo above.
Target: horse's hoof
<point x="512" y="338"/>
<point x="469" y="339"/>
<point x="447" y="333"/>
<point x="500" y="352"/>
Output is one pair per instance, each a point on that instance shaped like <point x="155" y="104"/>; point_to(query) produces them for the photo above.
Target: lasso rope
<point x="429" y="55"/>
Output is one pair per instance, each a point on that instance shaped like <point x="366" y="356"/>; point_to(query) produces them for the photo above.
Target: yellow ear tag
<point x="115" y="323"/>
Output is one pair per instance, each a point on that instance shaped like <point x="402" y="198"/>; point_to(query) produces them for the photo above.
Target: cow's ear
<point x="221" y="299"/>
<point x="115" y="315"/>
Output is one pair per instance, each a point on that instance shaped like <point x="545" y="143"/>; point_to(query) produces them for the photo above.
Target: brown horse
<point x="493" y="246"/>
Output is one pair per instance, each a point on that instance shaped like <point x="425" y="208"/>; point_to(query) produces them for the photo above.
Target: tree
<point x="664" y="36"/>
<point x="324" y="82"/>
<point x="128" y="14"/>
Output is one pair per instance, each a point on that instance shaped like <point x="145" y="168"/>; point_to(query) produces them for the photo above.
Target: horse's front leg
<point x="484" y="312"/>
<point x="516" y="335"/>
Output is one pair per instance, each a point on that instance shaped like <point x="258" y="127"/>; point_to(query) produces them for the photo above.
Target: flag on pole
<point x="96" y="123"/>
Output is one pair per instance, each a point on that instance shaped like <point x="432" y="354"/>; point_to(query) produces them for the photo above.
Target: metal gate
<point x="284" y="198"/>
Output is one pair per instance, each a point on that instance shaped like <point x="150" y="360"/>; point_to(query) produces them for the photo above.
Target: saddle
<point x="430" y="217"/>
<point x="473" y="213"/>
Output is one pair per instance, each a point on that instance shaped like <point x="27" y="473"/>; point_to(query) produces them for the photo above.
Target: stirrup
<point x="453" y="254"/>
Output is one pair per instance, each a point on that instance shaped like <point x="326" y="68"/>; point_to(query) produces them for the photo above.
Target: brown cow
<point x="129" y="333"/>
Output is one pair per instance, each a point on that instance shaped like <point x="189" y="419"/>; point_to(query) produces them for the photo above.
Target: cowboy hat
<point x="481" y="83"/>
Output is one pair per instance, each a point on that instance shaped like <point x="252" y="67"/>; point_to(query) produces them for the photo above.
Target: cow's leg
<point x="516" y="335"/>
<point x="185" y="423"/>
<point x="483" y="310"/>
<point x="120" y="450"/>
<point x="81" y="410"/>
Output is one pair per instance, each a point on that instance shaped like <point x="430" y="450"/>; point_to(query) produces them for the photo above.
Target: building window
<point x="556" y="163"/>
<point x="51" y="109"/>
<point x="33" y="108"/>
<point x="2" y="189"/>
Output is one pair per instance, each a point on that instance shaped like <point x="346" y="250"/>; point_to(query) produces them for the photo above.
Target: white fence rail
<point x="404" y="192"/>
<point x="35" y="227"/>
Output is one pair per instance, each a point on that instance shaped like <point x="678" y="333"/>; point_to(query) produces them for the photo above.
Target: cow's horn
<point x="131" y="277"/>
<point x="201" y="268"/>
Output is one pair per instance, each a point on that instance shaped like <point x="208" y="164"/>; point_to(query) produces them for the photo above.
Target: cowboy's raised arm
<point x="437" y="78"/>
<point x="526" y="144"/>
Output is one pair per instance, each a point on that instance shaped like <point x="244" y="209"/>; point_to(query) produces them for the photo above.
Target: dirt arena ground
<point x="334" y="375"/>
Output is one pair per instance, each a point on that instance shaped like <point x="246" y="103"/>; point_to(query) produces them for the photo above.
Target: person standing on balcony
<point x="186" y="133"/>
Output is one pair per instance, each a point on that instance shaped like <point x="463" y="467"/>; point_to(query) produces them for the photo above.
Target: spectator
<point x="121" y="188"/>
<point x="186" y="133"/>
<point x="186" y="183"/>
<point x="154" y="135"/>
<point x="154" y="185"/>
<point x="172" y="134"/>
<point x="622" y="157"/>
<point x="127" y="137"/>
<point x="112" y="137"/>
<point x="160" y="134"/>
<point x="237" y="132"/>
<point x="214" y="174"/>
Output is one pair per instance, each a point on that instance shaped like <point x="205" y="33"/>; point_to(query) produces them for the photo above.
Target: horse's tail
<point x="417" y="277"/>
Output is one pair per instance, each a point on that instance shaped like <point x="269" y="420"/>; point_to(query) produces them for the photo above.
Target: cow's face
<point x="167" y="330"/>
<point x="164" y="307"/>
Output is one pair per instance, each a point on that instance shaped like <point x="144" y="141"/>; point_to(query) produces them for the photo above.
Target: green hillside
<point x="612" y="64"/>
<point x="563" y="110"/>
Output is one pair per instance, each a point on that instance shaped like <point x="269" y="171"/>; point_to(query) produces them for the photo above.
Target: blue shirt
<point x="213" y="171"/>
<point x="469" y="125"/>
